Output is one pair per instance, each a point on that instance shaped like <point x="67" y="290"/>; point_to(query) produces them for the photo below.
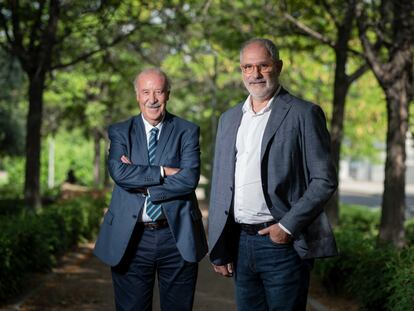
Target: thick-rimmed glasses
<point x="263" y="68"/>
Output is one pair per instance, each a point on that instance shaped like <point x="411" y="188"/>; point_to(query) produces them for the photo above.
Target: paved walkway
<point x="83" y="283"/>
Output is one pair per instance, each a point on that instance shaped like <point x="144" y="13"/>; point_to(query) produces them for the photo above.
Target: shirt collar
<point x="149" y="127"/>
<point x="247" y="106"/>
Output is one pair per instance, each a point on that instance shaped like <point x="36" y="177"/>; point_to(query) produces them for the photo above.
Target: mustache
<point x="257" y="81"/>
<point x="153" y="105"/>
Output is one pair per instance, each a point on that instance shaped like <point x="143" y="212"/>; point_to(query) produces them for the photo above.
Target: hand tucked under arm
<point x="170" y="171"/>
<point x="125" y="160"/>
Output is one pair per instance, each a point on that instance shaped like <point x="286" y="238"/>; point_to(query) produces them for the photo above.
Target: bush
<point x="401" y="286"/>
<point x="32" y="242"/>
<point x="360" y="218"/>
<point x="409" y="231"/>
<point x="380" y="277"/>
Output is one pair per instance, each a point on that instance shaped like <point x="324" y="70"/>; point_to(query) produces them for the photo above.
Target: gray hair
<point x="155" y="70"/>
<point x="268" y="44"/>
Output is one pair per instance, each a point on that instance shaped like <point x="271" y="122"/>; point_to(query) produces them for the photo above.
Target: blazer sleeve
<point x="128" y="176"/>
<point x="320" y="172"/>
<point x="186" y="180"/>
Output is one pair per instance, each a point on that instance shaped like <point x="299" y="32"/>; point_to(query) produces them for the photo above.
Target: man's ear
<point x="279" y="66"/>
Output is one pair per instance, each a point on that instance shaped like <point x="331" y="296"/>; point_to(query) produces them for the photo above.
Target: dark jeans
<point x="270" y="276"/>
<point x="155" y="253"/>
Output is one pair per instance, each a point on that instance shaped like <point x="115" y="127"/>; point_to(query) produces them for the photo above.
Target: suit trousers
<point x="270" y="276"/>
<point x="151" y="253"/>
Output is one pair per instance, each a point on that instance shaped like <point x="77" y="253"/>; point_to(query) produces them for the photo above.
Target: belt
<point x="155" y="225"/>
<point x="253" y="229"/>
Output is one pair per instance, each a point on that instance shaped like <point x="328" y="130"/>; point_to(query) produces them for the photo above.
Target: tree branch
<point x="370" y="52"/>
<point x="316" y="35"/>
<point x="6" y="28"/>
<point x="328" y="9"/>
<point x="34" y="34"/>
<point x="309" y="31"/>
<point x="399" y="62"/>
<point x="18" y="37"/>
<point x="86" y="55"/>
<point x="15" y="44"/>
<point x="357" y="73"/>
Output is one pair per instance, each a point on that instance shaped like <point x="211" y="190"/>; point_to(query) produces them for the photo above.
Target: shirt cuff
<point x="284" y="229"/>
<point x="162" y="171"/>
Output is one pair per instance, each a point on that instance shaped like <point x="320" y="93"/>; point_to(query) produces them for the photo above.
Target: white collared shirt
<point x="148" y="128"/>
<point x="249" y="203"/>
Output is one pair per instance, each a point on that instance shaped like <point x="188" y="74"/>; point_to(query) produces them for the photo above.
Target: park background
<point x="66" y="73"/>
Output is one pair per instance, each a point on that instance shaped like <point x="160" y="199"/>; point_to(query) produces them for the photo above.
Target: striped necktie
<point x="154" y="211"/>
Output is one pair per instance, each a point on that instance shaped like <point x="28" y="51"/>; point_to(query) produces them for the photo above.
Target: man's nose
<point x="256" y="72"/>
<point x="152" y="97"/>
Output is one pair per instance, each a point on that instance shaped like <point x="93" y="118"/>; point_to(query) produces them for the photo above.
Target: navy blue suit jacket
<point x="178" y="147"/>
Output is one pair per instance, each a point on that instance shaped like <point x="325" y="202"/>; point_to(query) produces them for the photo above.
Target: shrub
<point x="401" y="286"/>
<point x="380" y="277"/>
<point x="32" y="242"/>
<point x="409" y="231"/>
<point x="360" y="218"/>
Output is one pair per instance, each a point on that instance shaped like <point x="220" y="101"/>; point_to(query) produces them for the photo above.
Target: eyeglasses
<point x="263" y="68"/>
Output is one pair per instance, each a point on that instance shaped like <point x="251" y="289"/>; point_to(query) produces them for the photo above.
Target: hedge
<point x="379" y="277"/>
<point x="32" y="242"/>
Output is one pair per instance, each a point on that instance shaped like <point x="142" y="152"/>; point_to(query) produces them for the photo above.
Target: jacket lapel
<point x="230" y="130"/>
<point x="167" y="128"/>
<point x="280" y="108"/>
<point x="139" y="148"/>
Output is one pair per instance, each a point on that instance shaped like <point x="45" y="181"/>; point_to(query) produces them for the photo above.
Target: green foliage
<point x="360" y="219"/>
<point x="409" y="231"/>
<point x="11" y="117"/>
<point x="14" y="166"/>
<point x="365" y="120"/>
<point x="72" y="151"/>
<point x="379" y="277"/>
<point x="32" y="242"/>
<point x="401" y="286"/>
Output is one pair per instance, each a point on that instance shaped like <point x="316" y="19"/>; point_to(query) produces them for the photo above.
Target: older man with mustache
<point x="272" y="175"/>
<point x="153" y="225"/>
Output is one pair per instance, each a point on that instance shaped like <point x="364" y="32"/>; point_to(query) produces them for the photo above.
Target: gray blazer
<point x="298" y="177"/>
<point x="178" y="147"/>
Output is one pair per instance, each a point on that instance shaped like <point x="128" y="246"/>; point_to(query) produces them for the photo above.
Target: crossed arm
<point x="177" y="181"/>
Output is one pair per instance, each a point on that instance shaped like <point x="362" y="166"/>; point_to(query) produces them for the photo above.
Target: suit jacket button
<point x="134" y="216"/>
<point x="226" y="212"/>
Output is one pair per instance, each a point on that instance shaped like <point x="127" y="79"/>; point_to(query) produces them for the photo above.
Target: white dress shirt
<point x="148" y="128"/>
<point x="249" y="203"/>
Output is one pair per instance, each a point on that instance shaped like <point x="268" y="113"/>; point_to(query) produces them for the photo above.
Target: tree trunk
<point x="341" y="87"/>
<point x="97" y="158"/>
<point x="51" y="163"/>
<point x="393" y="199"/>
<point x="33" y="139"/>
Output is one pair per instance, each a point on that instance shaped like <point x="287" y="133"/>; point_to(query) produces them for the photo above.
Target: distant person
<point x="272" y="176"/>
<point x="70" y="177"/>
<point x="153" y="225"/>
